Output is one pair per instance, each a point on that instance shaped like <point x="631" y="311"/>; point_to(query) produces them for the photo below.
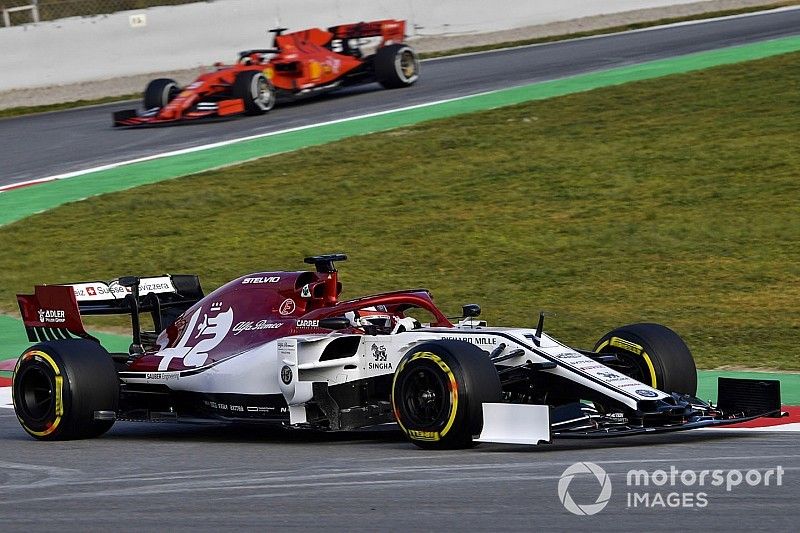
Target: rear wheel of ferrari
<point x="65" y="389"/>
<point x="652" y="354"/>
<point x="438" y="393"/>
<point x="396" y="65"/>
<point x="255" y="90"/>
<point x="160" y="92"/>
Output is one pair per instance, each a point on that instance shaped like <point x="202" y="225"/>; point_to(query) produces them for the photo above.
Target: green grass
<point x="675" y="200"/>
<point x="18" y="111"/>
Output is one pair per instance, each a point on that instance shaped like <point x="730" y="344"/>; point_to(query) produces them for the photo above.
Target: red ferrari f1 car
<point x="281" y="348"/>
<point x="300" y="63"/>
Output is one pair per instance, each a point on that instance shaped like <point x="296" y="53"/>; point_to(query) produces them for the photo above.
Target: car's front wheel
<point x="438" y="393"/>
<point x="652" y="354"/>
<point x="65" y="389"/>
<point x="255" y="90"/>
<point x="160" y="92"/>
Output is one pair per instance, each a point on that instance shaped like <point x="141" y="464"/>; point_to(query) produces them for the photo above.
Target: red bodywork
<point x="301" y="62"/>
<point x="266" y="305"/>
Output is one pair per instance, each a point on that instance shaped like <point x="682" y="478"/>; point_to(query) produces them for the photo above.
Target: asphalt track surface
<point x="54" y="143"/>
<point x="171" y="477"/>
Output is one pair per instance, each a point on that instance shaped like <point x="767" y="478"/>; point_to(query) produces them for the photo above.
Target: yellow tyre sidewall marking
<point x="634" y="348"/>
<point x="59" y="386"/>
<point x="429" y="435"/>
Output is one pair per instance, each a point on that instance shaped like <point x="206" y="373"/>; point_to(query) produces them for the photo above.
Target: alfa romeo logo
<point x="588" y="508"/>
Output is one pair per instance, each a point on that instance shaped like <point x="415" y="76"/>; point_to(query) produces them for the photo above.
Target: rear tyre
<point x="438" y="393"/>
<point x="396" y="66"/>
<point x="255" y="90"/>
<point x="160" y="92"/>
<point x="58" y="387"/>
<point x="652" y="354"/>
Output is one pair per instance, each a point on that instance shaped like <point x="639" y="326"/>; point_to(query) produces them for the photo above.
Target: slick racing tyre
<point x="256" y="91"/>
<point x="438" y="392"/>
<point x="396" y="65"/>
<point x="652" y="354"/>
<point x="160" y="92"/>
<point x="62" y="388"/>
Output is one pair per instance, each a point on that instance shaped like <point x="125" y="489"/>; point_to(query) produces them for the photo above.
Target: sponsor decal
<point x="262" y="279"/>
<point x="569" y="355"/>
<point x="423" y="435"/>
<point x="379" y="352"/>
<point x="626" y="345"/>
<point x="254" y="326"/>
<point x="646" y="393"/>
<point x="52" y="315"/>
<point x="260" y="409"/>
<point x="479" y="341"/>
<point x="162" y="376"/>
<point x="308" y="323"/>
<point x="146" y="286"/>
<point x="287" y="307"/>
<point x="611" y="376"/>
<point x="305" y="292"/>
<point x="92" y="291"/>
<point x="286" y="374"/>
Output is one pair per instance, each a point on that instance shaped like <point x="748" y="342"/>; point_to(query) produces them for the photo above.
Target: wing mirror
<point x="334" y="322"/>
<point x="471" y="310"/>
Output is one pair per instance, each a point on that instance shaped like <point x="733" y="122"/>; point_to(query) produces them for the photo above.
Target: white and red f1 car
<point x="280" y="348"/>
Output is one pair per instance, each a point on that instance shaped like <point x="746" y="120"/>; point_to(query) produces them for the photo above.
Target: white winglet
<point x="514" y="423"/>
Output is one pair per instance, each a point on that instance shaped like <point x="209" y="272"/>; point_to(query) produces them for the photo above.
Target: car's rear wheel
<point x="396" y="66"/>
<point x="160" y="92"/>
<point x="255" y="90"/>
<point x="65" y="389"/>
<point x="652" y="354"/>
<point x="438" y="393"/>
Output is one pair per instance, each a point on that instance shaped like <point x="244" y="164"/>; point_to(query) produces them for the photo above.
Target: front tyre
<point x="160" y="92"/>
<point x="255" y="90"/>
<point x="652" y="354"/>
<point x="59" y="386"/>
<point x="396" y="66"/>
<point x="438" y="393"/>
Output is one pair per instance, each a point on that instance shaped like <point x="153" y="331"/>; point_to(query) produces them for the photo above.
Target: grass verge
<point x="673" y="200"/>
<point x="18" y="111"/>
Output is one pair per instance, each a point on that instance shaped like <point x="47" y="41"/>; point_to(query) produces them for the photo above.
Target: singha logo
<point x="379" y="352"/>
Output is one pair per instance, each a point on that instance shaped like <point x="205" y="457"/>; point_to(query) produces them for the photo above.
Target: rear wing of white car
<point x="54" y="312"/>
